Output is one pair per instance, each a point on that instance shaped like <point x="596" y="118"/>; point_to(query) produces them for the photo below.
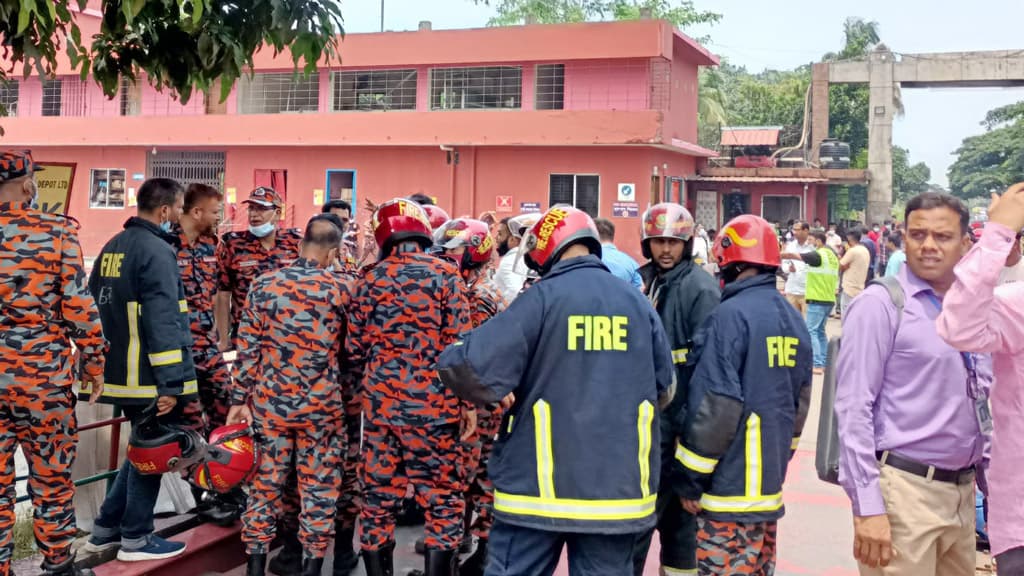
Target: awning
<point x="750" y="136"/>
<point x="753" y="179"/>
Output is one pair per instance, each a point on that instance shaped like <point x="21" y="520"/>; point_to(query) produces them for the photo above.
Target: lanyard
<point x="970" y="364"/>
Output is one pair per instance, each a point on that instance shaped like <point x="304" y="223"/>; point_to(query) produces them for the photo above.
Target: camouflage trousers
<point x="349" y="500"/>
<point x="313" y="454"/>
<point x="730" y="548"/>
<point x="39" y="415"/>
<point x="209" y="410"/>
<point x="479" y="489"/>
<point x="431" y="459"/>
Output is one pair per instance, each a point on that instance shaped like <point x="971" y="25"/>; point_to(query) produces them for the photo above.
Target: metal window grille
<point x="278" y="93"/>
<point x="52" y="96"/>
<point x="9" y="97"/>
<point x="577" y="190"/>
<point x="374" y="90"/>
<point x="550" y="87"/>
<point x="131" y="98"/>
<point x="661" y="84"/>
<point x="188" y="167"/>
<point x="474" y="88"/>
<point x="64" y="97"/>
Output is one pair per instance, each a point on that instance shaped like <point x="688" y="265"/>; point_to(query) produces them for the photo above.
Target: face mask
<point x="166" y="226"/>
<point x="263" y="230"/>
<point x="875" y="228"/>
<point x="503" y="248"/>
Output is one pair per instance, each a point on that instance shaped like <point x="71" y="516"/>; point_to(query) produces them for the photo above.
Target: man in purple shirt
<point x="912" y="410"/>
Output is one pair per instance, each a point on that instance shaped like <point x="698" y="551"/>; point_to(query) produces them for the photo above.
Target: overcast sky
<point x="788" y="33"/>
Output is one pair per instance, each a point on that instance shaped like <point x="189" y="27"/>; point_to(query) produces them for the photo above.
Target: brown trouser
<point x="798" y="301"/>
<point x="932" y="526"/>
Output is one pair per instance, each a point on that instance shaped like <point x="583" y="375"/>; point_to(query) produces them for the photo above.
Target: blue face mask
<point x="263" y="230"/>
<point x="166" y="226"/>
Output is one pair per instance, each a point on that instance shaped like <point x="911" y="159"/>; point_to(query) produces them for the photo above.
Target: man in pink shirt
<point x="979" y="316"/>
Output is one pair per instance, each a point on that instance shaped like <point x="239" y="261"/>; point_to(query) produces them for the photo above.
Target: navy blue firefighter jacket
<point x="587" y="358"/>
<point x="747" y="403"/>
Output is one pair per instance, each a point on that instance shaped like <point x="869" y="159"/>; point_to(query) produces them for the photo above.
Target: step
<point x="209" y="548"/>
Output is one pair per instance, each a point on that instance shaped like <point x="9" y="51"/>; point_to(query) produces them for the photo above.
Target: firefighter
<point x="469" y="243"/>
<point x="747" y="404"/>
<point x="684" y="296"/>
<point x="406" y="309"/>
<point x="584" y="363"/>
<point x="512" y="271"/>
<point x="197" y="260"/>
<point x="286" y="383"/>
<point x="241" y="258"/>
<point x="436" y="216"/>
<point x="139" y="293"/>
<point x="46" y="305"/>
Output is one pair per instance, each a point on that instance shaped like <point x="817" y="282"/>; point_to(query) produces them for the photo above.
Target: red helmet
<point x="400" y="220"/>
<point x="560" y="227"/>
<point x="747" y="239"/>
<point x="154" y="448"/>
<point x="436" y="216"/>
<point x="665" y="220"/>
<point x="473" y="234"/>
<point x="231" y="459"/>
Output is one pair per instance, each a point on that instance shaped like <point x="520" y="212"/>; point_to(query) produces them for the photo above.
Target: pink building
<point x="601" y="115"/>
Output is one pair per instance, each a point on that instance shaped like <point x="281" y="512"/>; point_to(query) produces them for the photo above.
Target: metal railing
<point x="112" y="459"/>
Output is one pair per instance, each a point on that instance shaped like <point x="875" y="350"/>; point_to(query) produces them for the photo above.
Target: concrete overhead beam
<point x="849" y="72"/>
<point x="1001" y="67"/>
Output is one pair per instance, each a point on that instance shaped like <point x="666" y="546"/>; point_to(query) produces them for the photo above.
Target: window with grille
<point x="550" y="87"/>
<point x="374" y="90"/>
<point x="107" y="188"/>
<point x="188" y="167"/>
<point x="581" y="191"/>
<point x="278" y="93"/>
<point x="131" y="98"/>
<point x="475" y="88"/>
<point x="9" y="97"/>
<point x="52" y="90"/>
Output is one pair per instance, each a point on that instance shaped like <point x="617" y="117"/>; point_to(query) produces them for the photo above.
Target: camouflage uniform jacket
<point x="407" y="308"/>
<point x="242" y="258"/>
<point x="44" y="302"/>
<point x="198" y="265"/>
<point x="290" y="338"/>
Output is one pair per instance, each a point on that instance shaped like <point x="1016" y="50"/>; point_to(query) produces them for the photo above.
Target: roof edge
<point x="704" y="56"/>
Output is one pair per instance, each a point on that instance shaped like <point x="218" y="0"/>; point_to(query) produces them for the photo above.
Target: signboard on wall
<point x="529" y="207"/>
<point x="627" y="192"/>
<point x="625" y="210"/>
<point x="54" y="183"/>
<point x="503" y="203"/>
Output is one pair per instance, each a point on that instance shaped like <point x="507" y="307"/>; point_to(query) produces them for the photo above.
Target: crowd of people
<point x="531" y="386"/>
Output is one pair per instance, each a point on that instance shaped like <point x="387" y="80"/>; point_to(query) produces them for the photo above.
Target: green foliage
<point x="181" y="45"/>
<point x="682" y="13"/>
<point x="908" y="180"/>
<point x="992" y="161"/>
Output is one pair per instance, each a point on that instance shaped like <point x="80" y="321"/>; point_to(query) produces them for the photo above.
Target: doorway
<point x="341" y="185"/>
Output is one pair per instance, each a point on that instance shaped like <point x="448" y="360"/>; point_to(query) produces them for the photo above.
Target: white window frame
<point x="92" y="187"/>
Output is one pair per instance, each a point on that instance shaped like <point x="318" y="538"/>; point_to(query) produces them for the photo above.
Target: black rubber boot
<point x="441" y="563"/>
<point x="256" y="565"/>
<point x="380" y="562"/>
<point x="65" y="568"/>
<point x="475" y="564"/>
<point x="345" y="557"/>
<point x="312" y="566"/>
<point x="288" y="561"/>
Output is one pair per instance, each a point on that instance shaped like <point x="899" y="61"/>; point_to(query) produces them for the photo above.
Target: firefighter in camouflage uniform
<point x="406" y="309"/>
<point x="45" y="307"/>
<point x="286" y="384"/>
<point x="469" y="243"/>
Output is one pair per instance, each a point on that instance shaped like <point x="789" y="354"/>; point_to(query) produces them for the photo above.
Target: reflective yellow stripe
<point x="183" y="305"/>
<point x="754" y="456"/>
<point x="511" y="419"/>
<point x="545" y="456"/>
<point x="679" y="356"/>
<point x="121" y="391"/>
<point x="571" y="509"/>
<point x="165" y="358"/>
<point x="669" y="571"/>
<point x="644" y="419"/>
<point x="695" y="461"/>
<point x="134" y="345"/>
<point x="795" y="444"/>
<point x="738" y="504"/>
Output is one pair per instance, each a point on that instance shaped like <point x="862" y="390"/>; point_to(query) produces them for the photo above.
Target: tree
<point x="908" y="180"/>
<point x="992" y="161"/>
<point x="682" y="13"/>
<point x="181" y="45"/>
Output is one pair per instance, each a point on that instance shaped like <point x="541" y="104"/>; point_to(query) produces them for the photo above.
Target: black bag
<point x="826" y="458"/>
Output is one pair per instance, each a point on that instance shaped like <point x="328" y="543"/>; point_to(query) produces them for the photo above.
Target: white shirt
<point x="833" y="241"/>
<point x="1011" y="274"/>
<point x="509" y="277"/>
<point x="796" y="282"/>
<point x="700" y="249"/>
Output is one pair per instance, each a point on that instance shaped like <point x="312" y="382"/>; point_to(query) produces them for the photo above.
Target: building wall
<point x="475" y="185"/>
<point x="814" y="207"/>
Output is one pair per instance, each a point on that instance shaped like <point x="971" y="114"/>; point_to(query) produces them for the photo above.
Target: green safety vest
<point x="823" y="280"/>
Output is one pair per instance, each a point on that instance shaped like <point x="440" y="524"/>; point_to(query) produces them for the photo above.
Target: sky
<point x="788" y="33"/>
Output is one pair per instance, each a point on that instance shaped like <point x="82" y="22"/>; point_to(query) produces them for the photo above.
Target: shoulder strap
<point x="895" y="289"/>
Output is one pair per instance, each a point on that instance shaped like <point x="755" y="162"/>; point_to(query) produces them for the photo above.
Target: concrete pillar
<point x="819" y="108"/>
<point x="880" y="116"/>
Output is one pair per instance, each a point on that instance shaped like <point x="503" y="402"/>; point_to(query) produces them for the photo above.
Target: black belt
<point x="962" y="476"/>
